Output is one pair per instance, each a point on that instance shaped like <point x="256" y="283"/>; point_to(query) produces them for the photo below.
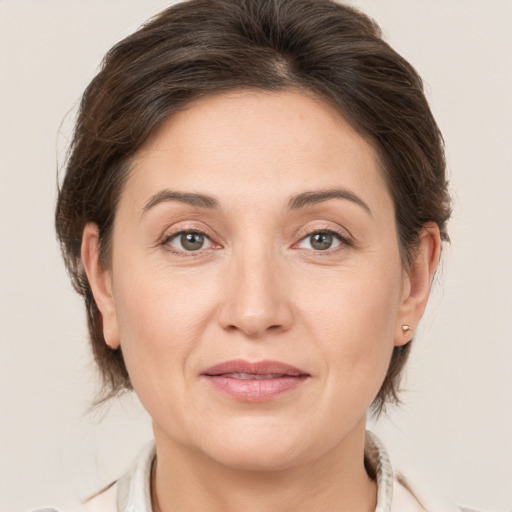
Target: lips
<point x="247" y="376"/>
<point x="254" y="382"/>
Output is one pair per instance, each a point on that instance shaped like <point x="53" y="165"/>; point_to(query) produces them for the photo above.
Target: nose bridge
<point x="255" y="301"/>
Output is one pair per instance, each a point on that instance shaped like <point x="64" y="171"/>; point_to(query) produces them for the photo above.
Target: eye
<point x="322" y="241"/>
<point x="188" y="241"/>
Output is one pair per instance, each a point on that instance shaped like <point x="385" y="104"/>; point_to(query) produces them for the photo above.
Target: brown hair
<point x="204" y="47"/>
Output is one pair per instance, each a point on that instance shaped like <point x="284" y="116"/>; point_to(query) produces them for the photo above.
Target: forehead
<point x="257" y="142"/>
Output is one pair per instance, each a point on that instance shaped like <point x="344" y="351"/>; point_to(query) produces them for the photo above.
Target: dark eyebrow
<point x="302" y="200"/>
<point x="314" y="197"/>
<point x="193" y="199"/>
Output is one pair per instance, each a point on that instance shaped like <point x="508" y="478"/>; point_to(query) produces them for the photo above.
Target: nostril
<point x="255" y="314"/>
<point x="254" y="331"/>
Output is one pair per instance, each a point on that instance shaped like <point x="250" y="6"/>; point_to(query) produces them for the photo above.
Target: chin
<point x="280" y="443"/>
<point x="257" y="457"/>
<point x="259" y="446"/>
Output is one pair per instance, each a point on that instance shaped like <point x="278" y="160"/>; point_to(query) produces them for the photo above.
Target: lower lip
<point x="255" y="390"/>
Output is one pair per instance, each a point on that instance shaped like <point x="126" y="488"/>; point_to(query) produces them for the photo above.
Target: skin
<point x="258" y="289"/>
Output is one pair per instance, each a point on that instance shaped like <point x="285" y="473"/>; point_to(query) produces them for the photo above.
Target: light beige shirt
<point x="132" y="492"/>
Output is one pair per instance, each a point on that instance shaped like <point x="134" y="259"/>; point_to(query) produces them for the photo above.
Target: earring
<point x="405" y="329"/>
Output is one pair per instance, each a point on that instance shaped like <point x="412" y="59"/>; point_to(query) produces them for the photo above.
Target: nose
<point x="255" y="301"/>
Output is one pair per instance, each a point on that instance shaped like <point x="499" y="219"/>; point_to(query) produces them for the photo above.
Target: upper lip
<point x="257" y="368"/>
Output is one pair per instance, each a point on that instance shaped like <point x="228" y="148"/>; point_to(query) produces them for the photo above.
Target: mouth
<point x="247" y="376"/>
<point x="254" y="382"/>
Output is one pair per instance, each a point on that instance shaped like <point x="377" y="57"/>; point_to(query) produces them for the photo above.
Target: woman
<point x="253" y="210"/>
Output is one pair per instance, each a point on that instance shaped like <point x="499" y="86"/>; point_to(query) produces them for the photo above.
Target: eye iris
<point x="321" y="241"/>
<point x="192" y="241"/>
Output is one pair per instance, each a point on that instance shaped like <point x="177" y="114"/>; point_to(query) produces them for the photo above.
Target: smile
<point x="246" y="376"/>
<point x="254" y="382"/>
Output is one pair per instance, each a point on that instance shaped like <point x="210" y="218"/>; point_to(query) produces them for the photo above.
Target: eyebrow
<point x="303" y="200"/>
<point x="312" y="198"/>
<point x="190" y="198"/>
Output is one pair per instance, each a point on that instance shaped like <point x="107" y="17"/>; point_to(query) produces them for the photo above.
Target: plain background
<point x="454" y="430"/>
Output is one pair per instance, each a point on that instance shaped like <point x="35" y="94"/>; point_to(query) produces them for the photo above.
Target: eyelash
<point x="343" y="240"/>
<point x="183" y="253"/>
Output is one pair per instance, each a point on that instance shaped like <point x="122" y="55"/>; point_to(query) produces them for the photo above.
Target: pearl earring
<point x="405" y="329"/>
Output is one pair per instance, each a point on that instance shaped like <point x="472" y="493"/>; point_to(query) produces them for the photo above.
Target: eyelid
<point x="179" y="234"/>
<point x="188" y="227"/>
<point x="344" y="238"/>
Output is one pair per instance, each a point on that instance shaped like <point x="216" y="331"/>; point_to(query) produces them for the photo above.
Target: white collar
<point x="134" y="487"/>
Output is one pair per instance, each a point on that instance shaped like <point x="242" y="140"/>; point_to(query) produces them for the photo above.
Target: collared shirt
<point x="132" y="492"/>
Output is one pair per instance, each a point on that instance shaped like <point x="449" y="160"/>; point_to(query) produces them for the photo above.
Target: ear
<point x="417" y="282"/>
<point x="100" y="280"/>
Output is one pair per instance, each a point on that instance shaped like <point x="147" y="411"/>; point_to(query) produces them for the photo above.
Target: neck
<point x="185" y="480"/>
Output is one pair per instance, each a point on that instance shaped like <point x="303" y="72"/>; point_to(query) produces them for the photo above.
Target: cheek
<point x="353" y="306"/>
<point x="162" y="318"/>
<point x="352" y="320"/>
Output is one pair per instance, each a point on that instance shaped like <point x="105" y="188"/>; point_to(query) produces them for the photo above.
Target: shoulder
<point x="407" y="499"/>
<point x="104" y="501"/>
<point x="132" y="492"/>
<point x="395" y="493"/>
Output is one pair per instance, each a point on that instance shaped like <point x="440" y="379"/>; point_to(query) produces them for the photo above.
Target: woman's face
<point x="256" y="287"/>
